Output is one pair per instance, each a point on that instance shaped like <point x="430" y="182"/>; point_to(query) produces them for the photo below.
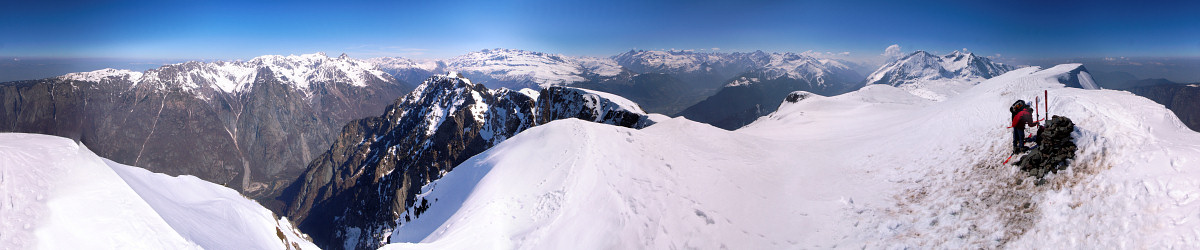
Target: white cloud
<point x="716" y="49"/>
<point x="892" y="51"/>
<point x="845" y="53"/>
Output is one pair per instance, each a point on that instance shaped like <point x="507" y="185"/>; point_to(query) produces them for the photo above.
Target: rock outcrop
<point x="1055" y="147"/>
<point x="352" y="195"/>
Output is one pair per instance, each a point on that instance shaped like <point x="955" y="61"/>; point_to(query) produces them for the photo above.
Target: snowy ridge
<point x="512" y="65"/>
<point x="59" y="195"/>
<point x="801" y="67"/>
<point x="922" y="66"/>
<point x="399" y="63"/>
<point x="104" y="74"/>
<point x="237" y="76"/>
<point x="672" y="60"/>
<point x="676" y="184"/>
<point x="767" y="66"/>
<point x="598" y="98"/>
<point x="442" y="95"/>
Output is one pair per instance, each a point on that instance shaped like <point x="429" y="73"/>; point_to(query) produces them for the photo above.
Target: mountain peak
<point x="958" y="55"/>
<point x="924" y="66"/>
<point x="920" y="53"/>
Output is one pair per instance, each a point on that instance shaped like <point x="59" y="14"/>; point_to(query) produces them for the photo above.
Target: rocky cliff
<point x="354" y="194"/>
<point x="249" y="125"/>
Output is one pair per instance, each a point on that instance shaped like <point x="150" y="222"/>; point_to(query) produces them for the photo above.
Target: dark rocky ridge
<point x="352" y="195"/>
<point x="270" y="130"/>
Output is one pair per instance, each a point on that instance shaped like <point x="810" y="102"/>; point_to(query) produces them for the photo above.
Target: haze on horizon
<point x="86" y="35"/>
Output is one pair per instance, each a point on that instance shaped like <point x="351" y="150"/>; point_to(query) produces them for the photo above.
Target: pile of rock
<point x="1055" y="147"/>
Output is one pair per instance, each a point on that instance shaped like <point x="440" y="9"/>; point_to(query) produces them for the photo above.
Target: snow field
<point x="59" y="195"/>
<point x="875" y="168"/>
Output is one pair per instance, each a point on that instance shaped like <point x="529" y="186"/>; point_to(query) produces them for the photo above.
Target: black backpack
<point x="1017" y="107"/>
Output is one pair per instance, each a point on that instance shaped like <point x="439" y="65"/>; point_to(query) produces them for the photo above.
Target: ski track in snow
<point x="876" y="168"/>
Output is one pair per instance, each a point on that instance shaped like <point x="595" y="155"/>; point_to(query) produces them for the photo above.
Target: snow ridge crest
<point x="300" y="71"/>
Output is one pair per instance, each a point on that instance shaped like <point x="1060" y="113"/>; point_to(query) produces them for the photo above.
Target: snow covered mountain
<point x="922" y="66"/>
<point x="508" y="68"/>
<point x="673" y="61"/>
<point x="757" y="92"/>
<point x="59" y="195"/>
<point x="250" y="125"/>
<point x="937" y="77"/>
<point x="351" y="196"/>
<point x="662" y="81"/>
<point x="864" y="169"/>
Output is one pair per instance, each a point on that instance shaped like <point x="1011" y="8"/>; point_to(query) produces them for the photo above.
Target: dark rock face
<point x="1183" y="100"/>
<point x="171" y="121"/>
<point x="352" y="195"/>
<point x="797" y="96"/>
<point x="1055" y="148"/>
<point x="556" y="103"/>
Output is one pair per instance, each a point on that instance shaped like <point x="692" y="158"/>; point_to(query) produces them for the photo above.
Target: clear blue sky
<point x="434" y="29"/>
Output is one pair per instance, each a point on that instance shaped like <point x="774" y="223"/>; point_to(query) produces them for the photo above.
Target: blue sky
<point x="170" y="29"/>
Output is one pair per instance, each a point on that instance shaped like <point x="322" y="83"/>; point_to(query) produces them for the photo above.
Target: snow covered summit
<point x="874" y="168"/>
<point x="922" y="66"/>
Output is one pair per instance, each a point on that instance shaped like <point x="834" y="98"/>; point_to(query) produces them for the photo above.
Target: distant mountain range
<point x="665" y="82"/>
<point x="249" y="125"/>
<point x="759" y="90"/>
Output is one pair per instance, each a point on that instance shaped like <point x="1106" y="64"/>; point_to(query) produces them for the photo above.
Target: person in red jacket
<point x="1021" y="117"/>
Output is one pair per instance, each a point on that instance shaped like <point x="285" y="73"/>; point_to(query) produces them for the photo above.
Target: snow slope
<point x="60" y="195"/>
<point x="874" y="168"/>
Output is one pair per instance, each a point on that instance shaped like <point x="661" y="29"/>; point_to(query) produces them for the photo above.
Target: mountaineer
<point x="1021" y="117"/>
